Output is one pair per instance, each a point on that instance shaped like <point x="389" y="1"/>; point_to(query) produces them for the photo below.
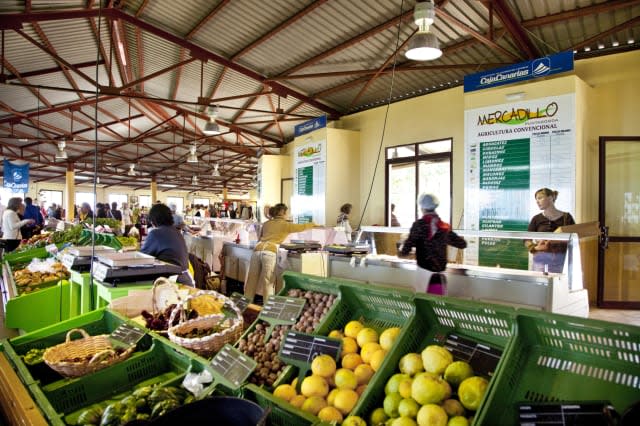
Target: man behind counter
<point x="166" y="243"/>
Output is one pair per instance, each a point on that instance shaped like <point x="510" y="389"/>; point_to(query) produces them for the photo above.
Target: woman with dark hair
<point x="548" y="256"/>
<point x="343" y="219"/>
<point x="165" y="242"/>
<point x="11" y="224"/>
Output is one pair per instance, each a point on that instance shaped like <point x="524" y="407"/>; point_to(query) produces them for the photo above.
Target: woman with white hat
<point x="430" y="235"/>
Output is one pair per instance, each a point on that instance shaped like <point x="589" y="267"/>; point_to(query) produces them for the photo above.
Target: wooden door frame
<point x="601" y="212"/>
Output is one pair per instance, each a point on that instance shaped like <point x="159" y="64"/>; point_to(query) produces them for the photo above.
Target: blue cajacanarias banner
<point x="16" y="177"/>
<point x="311" y="125"/>
<point x="552" y="64"/>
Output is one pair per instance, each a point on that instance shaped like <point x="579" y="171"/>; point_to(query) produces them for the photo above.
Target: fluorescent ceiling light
<point x="80" y="177"/>
<point x="167" y="185"/>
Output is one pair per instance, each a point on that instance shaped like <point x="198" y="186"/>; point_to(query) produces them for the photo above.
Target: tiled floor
<point x="630" y="317"/>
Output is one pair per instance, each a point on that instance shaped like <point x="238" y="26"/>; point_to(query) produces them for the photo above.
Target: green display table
<point x="105" y="294"/>
<point x="79" y="293"/>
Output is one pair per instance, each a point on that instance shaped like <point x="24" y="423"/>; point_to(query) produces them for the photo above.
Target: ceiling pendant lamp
<point x="212" y="128"/>
<point x="424" y="45"/>
<point x="193" y="155"/>
<point x="61" y="154"/>
<point x="132" y="170"/>
<point x="194" y="180"/>
<point x="216" y="172"/>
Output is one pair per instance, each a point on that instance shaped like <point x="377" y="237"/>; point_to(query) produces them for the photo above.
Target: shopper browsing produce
<point x="548" y="254"/>
<point x="166" y="242"/>
<point x="343" y="219"/>
<point x="430" y="235"/>
<point x="262" y="266"/>
<point x="11" y="224"/>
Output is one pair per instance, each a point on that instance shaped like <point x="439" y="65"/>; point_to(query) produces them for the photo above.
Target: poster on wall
<point x="309" y="182"/>
<point x="511" y="151"/>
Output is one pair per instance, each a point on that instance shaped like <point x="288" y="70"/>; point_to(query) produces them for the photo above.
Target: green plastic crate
<point x="38" y="309"/>
<point x="161" y="361"/>
<point x="282" y="413"/>
<point x="97" y="322"/>
<point x="558" y="358"/>
<point x="434" y="319"/>
<point x="376" y="307"/>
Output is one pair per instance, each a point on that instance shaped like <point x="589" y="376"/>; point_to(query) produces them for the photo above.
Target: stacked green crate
<point x="556" y="358"/>
<point x="376" y="307"/>
<point x="434" y="320"/>
<point x="156" y="361"/>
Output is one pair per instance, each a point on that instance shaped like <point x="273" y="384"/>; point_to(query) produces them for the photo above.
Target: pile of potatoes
<point x="266" y="353"/>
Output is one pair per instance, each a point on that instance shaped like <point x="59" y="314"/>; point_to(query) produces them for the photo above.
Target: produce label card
<point x="240" y="300"/>
<point x="301" y="348"/>
<point x="126" y="335"/>
<point x="482" y="358"/>
<point x="231" y="367"/>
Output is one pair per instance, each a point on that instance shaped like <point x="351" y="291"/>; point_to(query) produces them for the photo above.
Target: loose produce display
<point x="266" y="353"/>
<point x="145" y="403"/>
<point x="37" y="273"/>
<point x="333" y="388"/>
<point x="430" y="388"/>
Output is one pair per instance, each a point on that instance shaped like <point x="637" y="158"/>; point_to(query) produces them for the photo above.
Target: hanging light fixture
<point x="212" y="128"/>
<point x="194" y="180"/>
<point x="216" y="172"/>
<point x="61" y="154"/>
<point x="424" y="45"/>
<point x="132" y="170"/>
<point x="193" y="155"/>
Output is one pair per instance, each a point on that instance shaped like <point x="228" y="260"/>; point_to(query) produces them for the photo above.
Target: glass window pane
<point x="623" y="189"/>
<point x="435" y="147"/>
<point x="178" y="201"/>
<point x="435" y="178"/>
<point x="402" y="151"/>
<point x="50" y="197"/>
<point x="201" y="201"/>
<point x="118" y="199"/>
<point x="402" y="192"/>
<point x="621" y="274"/>
<point x="144" y="201"/>
<point x="85" y="197"/>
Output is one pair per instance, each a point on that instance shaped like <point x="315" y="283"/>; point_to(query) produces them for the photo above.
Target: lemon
<point x="427" y="389"/>
<point x="351" y="361"/>
<point x="336" y="334"/>
<point x="377" y="358"/>
<point x="366" y="335"/>
<point x="323" y="365"/>
<point x="354" y="421"/>
<point x="411" y="364"/>
<point x="363" y="373"/>
<point x="391" y="403"/>
<point x="471" y="391"/>
<point x="367" y="351"/>
<point x="404" y="388"/>
<point x="453" y="407"/>
<point x="388" y="337"/>
<point x="345" y="400"/>
<point x="349" y="346"/>
<point x="456" y="372"/>
<point x="314" y="386"/>
<point x="394" y="382"/>
<point x="353" y="328"/>
<point x="330" y="414"/>
<point x="431" y="415"/>
<point x="378" y="417"/>
<point x="345" y="379"/>
<point x="298" y="400"/>
<point x="285" y="392"/>
<point x="332" y="396"/>
<point x="314" y="404"/>
<point x="436" y="359"/>
<point x="403" y="421"/>
<point x="408" y="407"/>
<point x="458" y="421"/>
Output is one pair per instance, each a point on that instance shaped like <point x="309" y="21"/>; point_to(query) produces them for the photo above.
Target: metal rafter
<point x="515" y="28"/>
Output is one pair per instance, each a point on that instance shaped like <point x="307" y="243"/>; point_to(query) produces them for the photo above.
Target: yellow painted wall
<point x="343" y="172"/>
<point x="607" y="96"/>
<point x="270" y="180"/>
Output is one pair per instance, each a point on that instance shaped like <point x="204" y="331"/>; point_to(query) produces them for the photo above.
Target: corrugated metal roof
<point x="340" y="51"/>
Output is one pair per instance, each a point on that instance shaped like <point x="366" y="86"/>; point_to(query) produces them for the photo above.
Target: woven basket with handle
<point x="208" y="345"/>
<point x="76" y="358"/>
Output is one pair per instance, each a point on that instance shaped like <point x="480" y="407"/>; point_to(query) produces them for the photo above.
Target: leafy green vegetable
<point x="90" y="417"/>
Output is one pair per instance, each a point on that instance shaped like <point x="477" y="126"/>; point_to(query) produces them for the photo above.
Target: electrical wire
<point x="386" y="116"/>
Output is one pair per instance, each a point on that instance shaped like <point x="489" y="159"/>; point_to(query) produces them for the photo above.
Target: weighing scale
<point x="131" y="267"/>
<point x="79" y="258"/>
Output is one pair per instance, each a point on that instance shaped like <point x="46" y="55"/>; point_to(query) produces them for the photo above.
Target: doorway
<point x="619" y="214"/>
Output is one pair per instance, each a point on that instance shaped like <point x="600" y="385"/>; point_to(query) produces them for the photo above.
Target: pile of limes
<point x="333" y="389"/>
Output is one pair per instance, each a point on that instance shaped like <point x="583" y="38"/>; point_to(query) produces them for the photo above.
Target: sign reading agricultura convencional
<point x="309" y="182"/>
<point x="512" y="150"/>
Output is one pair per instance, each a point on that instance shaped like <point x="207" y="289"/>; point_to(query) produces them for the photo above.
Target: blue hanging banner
<point x="16" y="177"/>
<point x="311" y="125"/>
<point x="541" y="67"/>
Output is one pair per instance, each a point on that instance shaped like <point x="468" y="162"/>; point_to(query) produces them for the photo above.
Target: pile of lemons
<point x="333" y="389"/>
<point x="430" y="389"/>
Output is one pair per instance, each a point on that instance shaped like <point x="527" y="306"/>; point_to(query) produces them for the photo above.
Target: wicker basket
<point x="208" y="345"/>
<point x="92" y="352"/>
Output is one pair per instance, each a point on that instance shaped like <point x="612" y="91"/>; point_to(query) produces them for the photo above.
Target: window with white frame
<point x="6" y="193"/>
<point x="50" y="197"/>
<point x="201" y="201"/>
<point x="118" y="199"/>
<point x="144" y="201"/>
<point x="85" y="197"/>
<point x="178" y="201"/>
